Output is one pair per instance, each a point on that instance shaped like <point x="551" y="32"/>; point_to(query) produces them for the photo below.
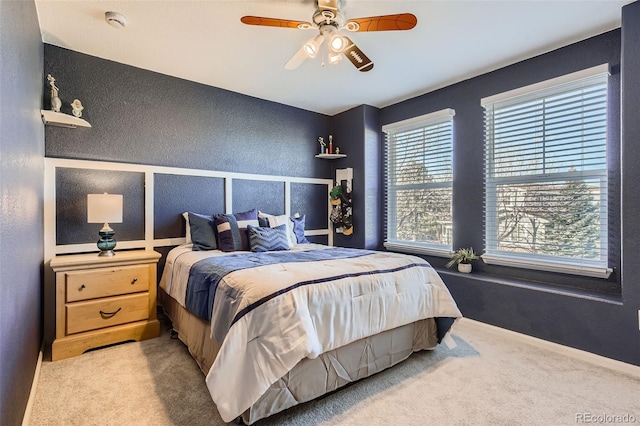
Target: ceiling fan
<point x="330" y="21"/>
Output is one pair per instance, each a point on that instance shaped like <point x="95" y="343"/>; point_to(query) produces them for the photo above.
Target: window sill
<point x="549" y="266"/>
<point x="482" y="278"/>
<point x="417" y="249"/>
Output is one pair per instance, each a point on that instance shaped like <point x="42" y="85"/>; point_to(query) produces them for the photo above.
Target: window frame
<point x="433" y="119"/>
<point x="567" y="265"/>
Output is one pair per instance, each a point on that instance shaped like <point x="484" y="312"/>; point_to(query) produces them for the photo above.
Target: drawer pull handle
<point x="135" y="280"/>
<point x="82" y="287"/>
<point x="110" y="314"/>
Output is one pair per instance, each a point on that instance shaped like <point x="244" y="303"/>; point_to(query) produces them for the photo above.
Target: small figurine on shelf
<point x="337" y="150"/>
<point x="56" y="103"/>
<point x="76" y="108"/>
<point x="330" y="144"/>
<point x="323" y="145"/>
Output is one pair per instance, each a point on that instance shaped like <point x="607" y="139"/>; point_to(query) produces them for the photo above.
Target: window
<point x="546" y="175"/>
<point x="419" y="183"/>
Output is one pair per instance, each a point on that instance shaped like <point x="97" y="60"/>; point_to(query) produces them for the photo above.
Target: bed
<point x="277" y="328"/>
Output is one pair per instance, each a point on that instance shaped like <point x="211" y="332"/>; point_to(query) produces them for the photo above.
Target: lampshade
<point x="104" y="208"/>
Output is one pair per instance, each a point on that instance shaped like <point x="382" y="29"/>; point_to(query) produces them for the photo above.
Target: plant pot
<point x="464" y="267"/>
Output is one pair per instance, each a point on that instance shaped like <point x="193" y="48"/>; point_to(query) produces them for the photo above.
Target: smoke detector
<point x="115" y="19"/>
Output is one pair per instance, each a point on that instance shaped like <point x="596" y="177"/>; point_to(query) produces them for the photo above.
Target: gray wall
<point x="21" y="186"/>
<point x="596" y="315"/>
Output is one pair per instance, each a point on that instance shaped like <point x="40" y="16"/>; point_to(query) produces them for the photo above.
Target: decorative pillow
<point x="202" y="233"/>
<point x="232" y="230"/>
<point x="268" y="239"/>
<point x="298" y="229"/>
<point x="272" y="221"/>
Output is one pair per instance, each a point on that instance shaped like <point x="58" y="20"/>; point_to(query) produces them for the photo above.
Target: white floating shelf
<point x="331" y="156"/>
<point x="59" y="119"/>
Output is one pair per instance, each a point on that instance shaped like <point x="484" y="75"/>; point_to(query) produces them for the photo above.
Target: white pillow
<point x="188" y="233"/>
<point x="281" y="220"/>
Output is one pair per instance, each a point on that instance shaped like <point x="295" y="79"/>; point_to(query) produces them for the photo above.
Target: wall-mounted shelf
<point x="52" y="118"/>
<point x="331" y="156"/>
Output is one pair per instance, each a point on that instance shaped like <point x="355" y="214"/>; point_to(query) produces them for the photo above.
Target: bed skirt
<point x="310" y="378"/>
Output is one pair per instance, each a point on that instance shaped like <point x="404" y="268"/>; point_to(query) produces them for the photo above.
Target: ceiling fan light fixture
<point x="312" y="47"/>
<point x="337" y="43"/>
<point x="334" y="58"/>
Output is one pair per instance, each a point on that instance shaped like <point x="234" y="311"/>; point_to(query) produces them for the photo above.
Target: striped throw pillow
<point x="232" y="230"/>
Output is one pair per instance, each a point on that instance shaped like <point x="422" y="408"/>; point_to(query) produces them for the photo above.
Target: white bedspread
<point x="306" y="320"/>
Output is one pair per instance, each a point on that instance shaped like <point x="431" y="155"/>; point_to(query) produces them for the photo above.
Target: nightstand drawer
<point x="91" y="315"/>
<point x="84" y="285"/>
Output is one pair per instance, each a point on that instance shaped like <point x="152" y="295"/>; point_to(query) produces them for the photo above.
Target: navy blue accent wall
<point x="143" y="117"/>
<point x="373" y="179"/>
<point x="348" y="136"/>
<point x="630" y="155"/>
<point x="72" y="187"/>
<point x="264" y="195"/>
<point x="597" y="315"/>
<point x="21" y="223"/>
<point x="171" y="200"/>
<point x="310" y="199"/>
<point x="357" y="133"/>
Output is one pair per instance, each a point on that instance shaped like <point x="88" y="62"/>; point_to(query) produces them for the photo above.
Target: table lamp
<point x="105" y="208"/>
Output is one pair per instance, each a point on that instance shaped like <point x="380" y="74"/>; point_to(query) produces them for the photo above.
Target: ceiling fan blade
<point x="357" y="58"/>
<point x="274" y="22"/>
<point x="296" y="60"/>
<point x="402" y="21"/>
<point x="308" y="50"/>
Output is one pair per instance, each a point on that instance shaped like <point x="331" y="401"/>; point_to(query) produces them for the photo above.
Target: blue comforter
<point x="206" y="274"/>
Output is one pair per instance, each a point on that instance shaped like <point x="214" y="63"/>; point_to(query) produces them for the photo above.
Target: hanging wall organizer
<point x="341" y="201"/>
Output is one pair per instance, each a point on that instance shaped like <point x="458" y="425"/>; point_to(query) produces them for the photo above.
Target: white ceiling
<point x="204" y="41"/>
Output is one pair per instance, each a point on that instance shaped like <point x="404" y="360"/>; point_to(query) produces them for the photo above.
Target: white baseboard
<point x="601" y="361"/>
<point x="26" y="420"/>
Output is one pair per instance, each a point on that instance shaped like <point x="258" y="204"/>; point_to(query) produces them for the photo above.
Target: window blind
<point x="546" y="177"/>
<point x="418" y="188"/>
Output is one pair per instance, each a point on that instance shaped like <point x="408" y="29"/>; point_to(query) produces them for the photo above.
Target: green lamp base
<point x="106" y="243"/>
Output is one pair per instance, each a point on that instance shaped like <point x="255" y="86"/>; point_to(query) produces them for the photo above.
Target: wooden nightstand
<point x="104" y="300"/>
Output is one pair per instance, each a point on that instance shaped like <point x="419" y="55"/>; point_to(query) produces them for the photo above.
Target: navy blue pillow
<point x="298" y="229"/>
<point x="268" y="239"/>
<point x="202" y="232"/>
<point x="232" y="230"/>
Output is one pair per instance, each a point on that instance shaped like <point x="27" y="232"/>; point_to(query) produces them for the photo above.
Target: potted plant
<point x="463" y="257"/>
<point x="336" y="195"/>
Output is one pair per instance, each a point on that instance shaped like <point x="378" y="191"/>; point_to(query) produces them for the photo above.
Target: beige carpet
<point x="489" y="378"/>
